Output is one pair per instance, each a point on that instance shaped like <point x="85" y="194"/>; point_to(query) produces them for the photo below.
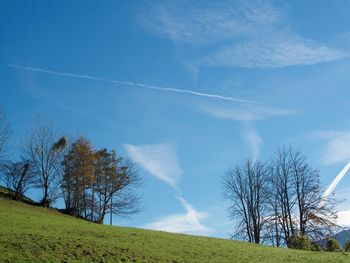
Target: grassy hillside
<point x="33" y="234"/>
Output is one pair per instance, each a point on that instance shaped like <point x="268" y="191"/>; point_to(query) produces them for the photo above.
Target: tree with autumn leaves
<point x="96" y="183"/>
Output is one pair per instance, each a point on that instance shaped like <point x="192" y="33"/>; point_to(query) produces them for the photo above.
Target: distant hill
<point x="342" y="236"/>
<point x="34" y="234"/>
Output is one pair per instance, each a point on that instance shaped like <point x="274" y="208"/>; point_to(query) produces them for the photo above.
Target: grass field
<point x="34" y="234"/>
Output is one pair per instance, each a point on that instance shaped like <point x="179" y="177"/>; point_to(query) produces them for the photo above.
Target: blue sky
<point x="184" y="89"/>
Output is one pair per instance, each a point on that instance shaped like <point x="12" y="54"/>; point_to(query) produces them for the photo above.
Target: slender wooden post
<point x="111" y="214"/>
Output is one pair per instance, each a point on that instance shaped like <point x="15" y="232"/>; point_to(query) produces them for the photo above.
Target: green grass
<point x="34" y="234"/>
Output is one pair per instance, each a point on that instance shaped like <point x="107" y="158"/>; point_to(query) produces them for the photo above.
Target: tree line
<point x="279" y="202"/>
<point x="92" y="182"/>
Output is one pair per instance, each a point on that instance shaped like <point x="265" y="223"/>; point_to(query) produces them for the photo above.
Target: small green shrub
<point x="333" y="245"/>
<point x="299" y="242"/>
<point x="346" y="247"/>
<point x="314" y="246"/>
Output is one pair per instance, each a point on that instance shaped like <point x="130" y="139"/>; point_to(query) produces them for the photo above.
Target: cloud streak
<point x="159" y="160"/>
<point x="336" y="151"/>
<point x="188" y="223"/>
<point x="246" y="112"/>
<point x="336" y="181"/>
<point x="133" y="84"/>
<point x="254" y="141"/>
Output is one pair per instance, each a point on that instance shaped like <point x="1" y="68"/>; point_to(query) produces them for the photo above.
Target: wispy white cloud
<point x="208" y="22"/>
<point x="159" y="160"/>
<point x="254" y="141"/>
<point x="337" y="149"/>
<point x="343" y="218"/>
<point x="246" y="112"/>
<point x="237" y="33"/>
<point x="273" y="51"/>
<point x="188" y="223"/>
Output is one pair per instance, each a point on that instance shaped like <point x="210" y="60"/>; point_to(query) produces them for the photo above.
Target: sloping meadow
<point x="34" y="234"/>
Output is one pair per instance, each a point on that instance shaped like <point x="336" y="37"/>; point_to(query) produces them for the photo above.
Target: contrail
<point x="134" y="84"/>
<point x="335" y="182"/>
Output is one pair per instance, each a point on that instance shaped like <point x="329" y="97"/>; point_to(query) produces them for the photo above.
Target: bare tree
<point x="244" y="188"/>
<point x="295" y="199"/>
<point x="17" y="177"/>
<point x="282" y="196"/>
<point x="273" y="203"/>
<point x="272" y="231"/>
<point x="44" y="149"/>
<point x="4" y="138"/>
<point x="316" y="216"/>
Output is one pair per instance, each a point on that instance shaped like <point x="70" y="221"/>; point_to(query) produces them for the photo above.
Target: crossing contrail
<point x="335" y="182"/>
<point x="134" y="84"/>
